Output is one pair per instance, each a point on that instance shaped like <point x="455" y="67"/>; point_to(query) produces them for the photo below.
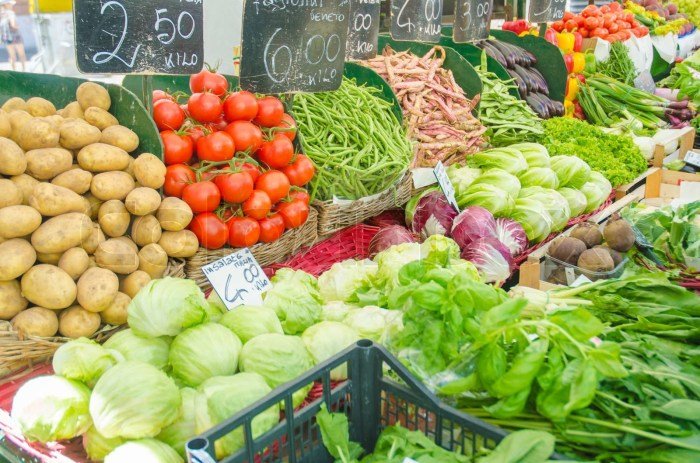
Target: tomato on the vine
<point x="236" y="187"/>
<point x="243" y="232"/>
<point x="301" y="171"/>
<point x="218" y="125"/>
<point x="270" y="111"/>
<point x="301" y="195"/>
<point x="247" y="136"/>
<point x="277" y="152"/>
<point x="204" y="107"/>
<point x="288" y="126"/>
<point x="195" y="132"/>
<point x="202" y="196"/>
<point x="177" y="147"/>
<point x="207" y="81"/>
<point x="210" y="230"/>
<point x="252" y="170"/>
<point x="168" y="115"/>
<point x="240" y="106"/>
<point x="217" y="146"/>
<point x="271" y="228"/>
<point x="274" y="183"/>
<point x="177" y="177"/>
<point x="159" y="95"/>
<point x="258" y="205"/>
<point x="294" y="213"/>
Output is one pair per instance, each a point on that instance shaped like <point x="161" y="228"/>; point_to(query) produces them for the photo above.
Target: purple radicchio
<point x="512" y="235"/>
<point x="431" y="215"/>
<point x="471" y="224"/>
<point x="491" y="257"/>
<point x="388" y="237"/>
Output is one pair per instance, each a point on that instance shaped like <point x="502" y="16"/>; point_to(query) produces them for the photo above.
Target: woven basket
<point x="265" y="253"/>
<point x="18" y="351"/>
<point x="333" y="217"/>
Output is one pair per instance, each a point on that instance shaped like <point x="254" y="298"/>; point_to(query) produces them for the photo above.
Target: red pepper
<point x="551" y="36"/>
<point x="569" y="62"/>
<point x="578" y="41"/>
<point x="508" y="26"/>
<point x="582" y="78"/>
<point x="578" y="111"/>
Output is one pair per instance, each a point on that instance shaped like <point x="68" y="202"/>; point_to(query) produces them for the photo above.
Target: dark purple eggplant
<point x="532" y="85"/>
<point x="531" y="57"/>
<point x="551" y="104"/>
<point x="559" y="107"/>
<point x="540" y="78"/>
<point x="537" y="105"/>
<point x="520" y="54"/>
<point x="494" y="53"/>
<point x="522" y="86"/>
<point x="511" y="58"/>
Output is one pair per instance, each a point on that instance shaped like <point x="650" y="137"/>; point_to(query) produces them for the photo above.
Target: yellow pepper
<point x="566" y="42"/>
<point x="579" y="62"/>
<point x="569" y="108"/>
<point x="572" y="88"/>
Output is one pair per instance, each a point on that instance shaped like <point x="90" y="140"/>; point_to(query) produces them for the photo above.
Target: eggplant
<point x="531" y="57"/>
<point x="494" y="53"/>
<point x="537" y="105"/>
<point x="532" y="85"/>
<point x="522" y="86"/>
<point x="520" y="54"/>
<point x="540" y="78"/>
<point x="510" y="57"/>
<point x="559" y="107"/>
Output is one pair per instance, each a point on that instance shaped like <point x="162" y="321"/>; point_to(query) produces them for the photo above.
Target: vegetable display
<point x="618" y="65"/>
<point x="608" y="22"/>
<point x="685" y="77"/>
<point x="661" y="19"/>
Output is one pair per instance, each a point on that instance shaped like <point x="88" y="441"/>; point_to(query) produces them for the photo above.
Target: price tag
<point x="581" y="280"/>
<point x="692" y="158"/>
<point x="237" y="279"/>
<point x="128" y="37"/>
<point x="570" y="275"/>
<point x="644" y="81"/>
<point x="445" y="184"/>
<point x="543" y="11"/>
<point x="363" y="29"/>
<point x="293" y="46"/>
<point x="417" y="20"/>
<point x="472" y="20"/>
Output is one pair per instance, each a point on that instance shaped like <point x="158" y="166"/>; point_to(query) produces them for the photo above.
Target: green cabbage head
<point x="185" y="426"/>
<point x="571" y="171"/>
<point x="576" y="199"/>
<point x="539" y="176"/>
<point x="534" y="218"/>
<point x="143" y="451"/>
<point x="340" y="281"/>
<point x="144" y="349"/>
<point x="248" y="321"/>
<point x="535" y="155"/>
<point x="295" y="298"/>
<point x="98" y="446"/>
<point x="325" y="339"/>
<point x="501" y="179"/>
<point x="83" y="360"/>
<point x="488" y="196"/>
<point x="595" y="196"/>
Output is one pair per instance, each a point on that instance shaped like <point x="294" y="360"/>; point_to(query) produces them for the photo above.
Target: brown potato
<point x="5" y="125"/>
<point x="48" y="286"/>
<point x="101" y="157"/>
<point x="17" y="121"/>
<point x="96" y="237"/>
<point x="97" y="288"/>
<point x="95" y="204"/>
<point x="17" y="221"/>
<point x="56" y="121"/>
<point x="145" y="230"/>
<point x="39" y="107"/>
<point x="181" y="243"/>
<point x="116" y="255"/>
<point x="133" y="283"/>
<point x="74" y="262"/>
<point x="113" y="218"/>
<point x="26" y="184"/>
<point x="153" y="260"/>
<point x="121" y="137"/>
<point x="174" y="214"/>
<point x="15" y="104"/>
<point x="10" y="194"/>
<point x="77" y="180"/>
<point x="52" y="200"/>
<point x="72" y="110"/>
<point x="100" y="118"/>
<point x="59" y="234"/>
<point x="18" y="256"/>
<point x="76" y="322"/>
<point x="36" y="134"/>
<point x="129" y="241"/>
<point x="142" y="201"/>
<point x="46" y="163"/>
<point x="12" y="160"/>
<point x="77" y="134"/>
<point x="149" y="171"/>
<point x="92" y="94"/>
<point x="112" y="185"/>
<point x="11" y="300"/>
<point x="36" y="321"/>
<point x="50" y="258"/>
<point x="116" y="314"/>
<point x="130" y="170"/>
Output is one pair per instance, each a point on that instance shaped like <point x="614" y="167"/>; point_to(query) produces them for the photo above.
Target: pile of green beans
<point x="354" y="139"/>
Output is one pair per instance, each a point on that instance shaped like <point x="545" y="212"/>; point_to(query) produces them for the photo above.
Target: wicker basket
<point x="265" y="253"/>
<point x="18" y="351"/>
<point x="333" y="217"/>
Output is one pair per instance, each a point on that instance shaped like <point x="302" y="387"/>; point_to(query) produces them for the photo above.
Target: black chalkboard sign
<point x="127" y="36"/>
<point x="542" y="11"/>
<point x="293" y="45"/>
<point x="472" y="20"/>
<point x="416" y="20"/>
<point x="363" y="29"/>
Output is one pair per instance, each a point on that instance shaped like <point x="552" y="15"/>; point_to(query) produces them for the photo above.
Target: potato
<point x="17" y="221"/>
<point x="95" y="204"/>
<point x="18" y="256"/>
<point x="130" y="169"/>
<point x="129" y="241"/>
<point x="118" y="256"/>
<point x="74" y="262"/>
<point x="181" y="243"/>
<point x="26" y="184"/>
<point x="50" y="258"/>
<point x="149" y="171"/>
<point x="78" y="134"/>
<point x="121" y="137"/>
<point x="5" y="124"/>
<point x="15" y="103"/>
<point x="39" y="107"/>
<point x="100" y="118"/>
<point x="59" y="234"/>
<point x="52" y="200"/>
<point x="77" y="322"/>
<point x="113" y="218"/>
<point x="77" y="180"/>
<point x="100" y="157"/>
<point x="174" y="214"/>
<point x="97" y="288"/>
<point x="48" y="286"/>
<point x="36" y="134"/>
<point x="92" y="94"/>
<point x="11" y="300"/>
<point x="10" y="194"/>
<point x="116" y="314"/>
<point x="112" y="185"/>
<point x="12" y="160"/>
<point x="153" y="260"/>
<point x="17" y="120"/>
<point x="72" y="110"/>
<point x="36" y="321"/>
<point x="96" y="237"/>
<point x="142" y="201"/>
<point x="56" y="121"/>
<point x="46" y="163"/>
<point x="145" y="230"/>
<point x="133" y="283"/>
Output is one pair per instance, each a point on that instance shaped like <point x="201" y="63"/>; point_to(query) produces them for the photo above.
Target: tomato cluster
<point x="230" y="156"/>
<point x="609" y="22"/>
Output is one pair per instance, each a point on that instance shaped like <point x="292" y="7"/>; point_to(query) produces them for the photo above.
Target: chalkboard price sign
<point x="293" y="45"/>
<point x="542" y="11"/>
<point x="363" y="29"/>
<point x="472" y="20"/>
<point x="417" y="20"/>
<point x="128" y="37"/>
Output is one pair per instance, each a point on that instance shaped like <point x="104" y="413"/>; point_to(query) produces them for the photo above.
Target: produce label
<point x="293" y="45"/>
<point x="445" y="184"/>
<point x="238" y="279"/>
<point x="148" y="36"/>
<point x="363" y="29"/>
<point x="417" y="20"/>
<point x="472" y="20"/>
<point x="542" y="11"/>
<point x="693" y="158"/>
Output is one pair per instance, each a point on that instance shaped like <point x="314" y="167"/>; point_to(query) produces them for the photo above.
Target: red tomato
<point x="570" y="25"/>
<point x="210" y="230"/>
<point x="247" y="136"/>
<point x="580" y="22"/>
<point x="243" y="232"/>
<point x="624" y="25"/>
<point x="613" y="28"/>
<point x="274" y="183"/>
<point x="168" y="115"/>
<point x="301" y="171"/>
<point x="177" y="177"/>
<point x="177" y="148"/>
<point x="294" y="213"/>
<point x="217" y="146"/>
<point x="624" y="34"/>
<point x="210" y="173"/>
<point x="204" y="107"/>
<point x="252" y="170"/>
<point x="202" y="196"/>
<point x="258" y="205"/>
<point x="605" y="9"/>
<point x="607" y="20"/>
<point x="599" y="32"/>
<point x="591" y="23"/>
<point x="218" y="125"/>
<point x="270" y="111"/>
<point x="240" y="106"/>
<point x="195" y="132"/>
<point x="590" y="10"/>
<point x="271" y="228"/>
<point x="558" y="26"/>
<point x="584" y="33"/>
<point x="236" y="187"/>
<point x="614" y="6"/>
<point x="277" y="152"/>
<point x="289" y="126"/>
<point x="207" y="81"/>
<point x="300" y="195"/>
<point x="159" y="95"/>
<point x="567" y="15"/>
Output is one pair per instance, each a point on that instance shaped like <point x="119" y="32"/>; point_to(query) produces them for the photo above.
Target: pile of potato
<point x="82" y="225"/>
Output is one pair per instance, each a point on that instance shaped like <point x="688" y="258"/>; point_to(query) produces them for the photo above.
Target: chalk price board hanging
<point x="417" y="20"/>
<point x="363" y="30"/>
<point x="472" y="20"/>
<point x="293" y="45"/>
<point x="128" y="37"/>
<point x="543" y="11"/>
